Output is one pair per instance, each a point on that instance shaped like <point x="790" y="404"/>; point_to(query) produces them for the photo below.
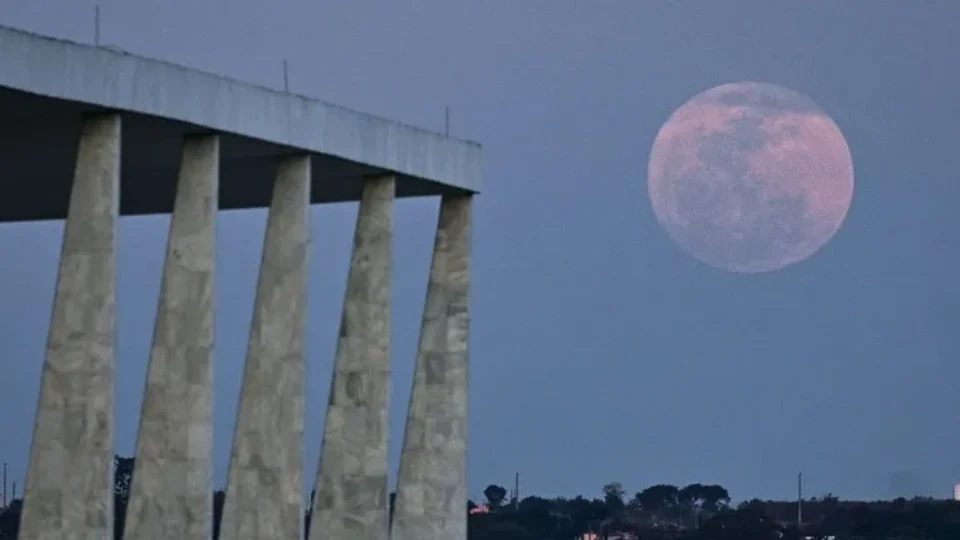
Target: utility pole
<point x="446" y="121"/>
<point x="799" y="500"/>
<point x="4" y="484"/>
<point x="516" y="492"/>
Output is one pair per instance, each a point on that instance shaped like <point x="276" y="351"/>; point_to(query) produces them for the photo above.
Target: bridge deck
<point x="47" y="85"/>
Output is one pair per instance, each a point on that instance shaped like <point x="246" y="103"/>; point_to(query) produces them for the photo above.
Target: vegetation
<point x="660" y="512"/>
<point x="704" y="512"/>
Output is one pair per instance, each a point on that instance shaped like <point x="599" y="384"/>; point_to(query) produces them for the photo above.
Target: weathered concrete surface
<point x="171" y="492"/>
<point x="431" y="501"/>
<point x="265" y="485"/>
<point x="351" y="489"/>
<point x="69" y="480"/>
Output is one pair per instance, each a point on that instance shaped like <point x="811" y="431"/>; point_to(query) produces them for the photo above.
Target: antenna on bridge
<point x="96" y="25"/>
<point x="286" y="77"/>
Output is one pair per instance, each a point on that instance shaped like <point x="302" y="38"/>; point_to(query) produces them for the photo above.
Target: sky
<point x="600" y="351"/>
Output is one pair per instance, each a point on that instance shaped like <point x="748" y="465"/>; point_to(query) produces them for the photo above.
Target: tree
<point x="10" y="519"/>
<point x="660" y="499"/>
<point x="122" y="480"/>
<point x="614" y="506"/>
<point x="691" y="495"/>
<point x="714" y="497"/>
<point x="690" y="500"/>
<point x="613" y="497"/>
<point x="122" y="476"/>
<point x="536" y="516"/>
<point x="508" y="531"/>
<point x="495" y="495"/>
<point x="741" y="524"/>
<point x="584" y="514"/>
<point x="219" y="496"/>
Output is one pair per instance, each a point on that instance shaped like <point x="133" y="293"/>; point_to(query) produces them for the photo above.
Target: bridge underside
<point x="39" y="137"/>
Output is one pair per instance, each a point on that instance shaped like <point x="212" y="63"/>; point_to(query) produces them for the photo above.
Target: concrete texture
<point x="170" y="496"/>
<point x="163" y="101"/>
<point x="69" y="484"/>
<point x="431" y="501"/>
<point x="351" y="489"/>
<point x="265" y="479"/>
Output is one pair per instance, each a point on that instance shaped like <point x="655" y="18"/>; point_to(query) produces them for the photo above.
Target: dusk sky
<point x="600" y="351"/>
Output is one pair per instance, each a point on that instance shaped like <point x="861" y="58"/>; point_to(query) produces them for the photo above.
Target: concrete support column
<point x="171" y="492"/>
<point x="69" y="488"/>
<point x="265" y="486"/>
<point x="351" y="489"/>
<point x="431" y="501"/>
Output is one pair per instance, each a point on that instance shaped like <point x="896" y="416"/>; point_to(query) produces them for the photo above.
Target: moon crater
<point x="750" y="177"/>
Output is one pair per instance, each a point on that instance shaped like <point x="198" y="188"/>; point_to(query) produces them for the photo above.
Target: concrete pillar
<point x="351" y="489"/>
<point x="265" y="479"/>
<point x="431" y="501"/>
<point x="69" y="484"/>
<point x="170" y="496"/>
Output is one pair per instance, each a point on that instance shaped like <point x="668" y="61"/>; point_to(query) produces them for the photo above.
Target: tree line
<point x="705" y="512"/>
<point x="659" y="512"/>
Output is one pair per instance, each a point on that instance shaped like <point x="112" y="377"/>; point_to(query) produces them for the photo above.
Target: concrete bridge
<point x="88" y="134"/>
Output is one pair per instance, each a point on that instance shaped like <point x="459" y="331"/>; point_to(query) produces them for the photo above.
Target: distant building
<point x="480" y="509"/>
<point x="614" y="536"/>
<point x="956" y="492"/>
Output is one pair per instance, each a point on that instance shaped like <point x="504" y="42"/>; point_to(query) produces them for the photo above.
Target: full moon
<point x="750" y="177"/>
